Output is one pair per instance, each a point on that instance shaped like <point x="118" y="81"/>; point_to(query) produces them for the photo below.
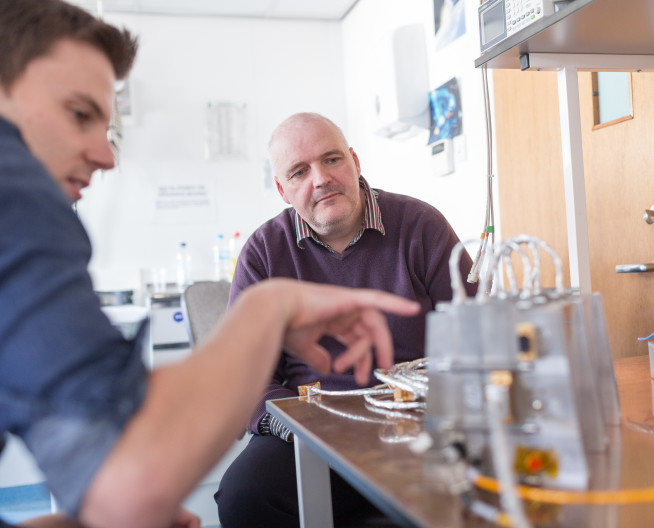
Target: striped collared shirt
<point x="372" y="219"/>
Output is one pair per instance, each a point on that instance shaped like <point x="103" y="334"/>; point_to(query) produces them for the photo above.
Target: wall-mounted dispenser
<point x="402" y="101"/>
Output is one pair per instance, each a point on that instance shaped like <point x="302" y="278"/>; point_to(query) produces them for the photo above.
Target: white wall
<point x="406" y="166"/>
<point x="275" y="67"/>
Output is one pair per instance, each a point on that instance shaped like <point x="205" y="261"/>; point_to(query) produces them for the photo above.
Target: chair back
<point x="203" y="303"/>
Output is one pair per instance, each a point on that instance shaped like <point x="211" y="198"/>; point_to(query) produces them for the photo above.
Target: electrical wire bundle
<point x="409" y="377"/>
<point x="488" y="233"/>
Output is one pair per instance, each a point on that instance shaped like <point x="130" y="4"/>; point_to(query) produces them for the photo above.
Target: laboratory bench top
<point x="372" y="451"/>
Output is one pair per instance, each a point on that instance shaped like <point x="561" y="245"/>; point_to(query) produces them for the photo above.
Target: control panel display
<point x="499" y="19"/>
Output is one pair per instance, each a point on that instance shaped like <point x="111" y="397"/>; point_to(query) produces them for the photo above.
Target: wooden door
<point x="618" y="166"/>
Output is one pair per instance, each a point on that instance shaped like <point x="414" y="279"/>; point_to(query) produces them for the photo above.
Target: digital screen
<point x="438" y="148"/>
<point x="492" y="25"/>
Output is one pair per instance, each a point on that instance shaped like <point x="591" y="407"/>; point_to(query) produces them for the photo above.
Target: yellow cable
<point x="503" y="520"/>
<point x="551" y="496"/>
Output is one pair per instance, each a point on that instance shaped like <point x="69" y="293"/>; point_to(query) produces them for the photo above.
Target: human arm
<point x="182" y="519"/>
<point x="177" y="435"/>
<point x="57" y="520"/>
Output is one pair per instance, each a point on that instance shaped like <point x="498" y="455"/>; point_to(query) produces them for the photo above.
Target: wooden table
<point x="372" y="453"/>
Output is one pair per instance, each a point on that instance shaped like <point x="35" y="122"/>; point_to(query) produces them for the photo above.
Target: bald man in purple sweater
<point x="338" y="231"/>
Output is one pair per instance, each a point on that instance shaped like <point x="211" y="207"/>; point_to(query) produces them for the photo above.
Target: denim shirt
<point x="69" y="381"/>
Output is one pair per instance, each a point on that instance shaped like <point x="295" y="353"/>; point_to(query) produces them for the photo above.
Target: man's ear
<point x="280" y="189"/>
<point x="356" y="161"/>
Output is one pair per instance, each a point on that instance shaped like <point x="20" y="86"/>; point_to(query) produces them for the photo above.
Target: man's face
<point x="62" y="104"/>
<point x="319" y="176"/>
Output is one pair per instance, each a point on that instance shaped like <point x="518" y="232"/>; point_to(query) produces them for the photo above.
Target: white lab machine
<point x="168" y="340"/>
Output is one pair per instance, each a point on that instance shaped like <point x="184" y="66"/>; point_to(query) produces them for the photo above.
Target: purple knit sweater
<point x="411" y="260"/>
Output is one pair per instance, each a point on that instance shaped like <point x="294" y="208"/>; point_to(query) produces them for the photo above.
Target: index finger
<point x="386" y="302"/>
<point x="322" y="302"/>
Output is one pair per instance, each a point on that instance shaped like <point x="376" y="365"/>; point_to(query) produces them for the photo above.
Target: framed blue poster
<point x="446" y="115"/>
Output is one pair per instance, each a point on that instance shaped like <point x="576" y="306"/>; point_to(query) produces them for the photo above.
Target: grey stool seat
<point x="203" y="304"/>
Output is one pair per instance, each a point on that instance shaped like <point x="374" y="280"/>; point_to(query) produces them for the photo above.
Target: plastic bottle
<point x="221" y="259"/>
<point x="183" y="266"/>
<point x="234" y="250"/>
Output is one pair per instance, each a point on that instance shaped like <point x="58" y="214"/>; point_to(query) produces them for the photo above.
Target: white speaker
<point x="402" y="100"/>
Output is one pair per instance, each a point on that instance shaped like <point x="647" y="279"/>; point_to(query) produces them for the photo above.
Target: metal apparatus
<point x="549" y="352"/>
<point x="517" y="387"/>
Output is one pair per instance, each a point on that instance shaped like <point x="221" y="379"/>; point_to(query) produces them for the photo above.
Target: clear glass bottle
<point x="183" y="266"/>
<point x="221" y="259"/>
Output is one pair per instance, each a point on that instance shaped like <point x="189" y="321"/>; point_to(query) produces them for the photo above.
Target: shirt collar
<point x="10" y="128"/>
<point x="372" y="219"/>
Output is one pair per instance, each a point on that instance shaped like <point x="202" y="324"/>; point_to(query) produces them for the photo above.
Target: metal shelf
<point x="584" y="35"/>
<point x="616" y="27"/>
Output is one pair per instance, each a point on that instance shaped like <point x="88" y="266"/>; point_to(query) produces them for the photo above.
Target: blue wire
<point x="646" y="338"/>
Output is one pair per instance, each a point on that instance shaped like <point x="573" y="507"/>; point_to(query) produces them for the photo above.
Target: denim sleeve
<point x="69" y="381"/>
<point x="71" y="428"/>
<point x="69" y="451"/>
<point x="71" y="438"/>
